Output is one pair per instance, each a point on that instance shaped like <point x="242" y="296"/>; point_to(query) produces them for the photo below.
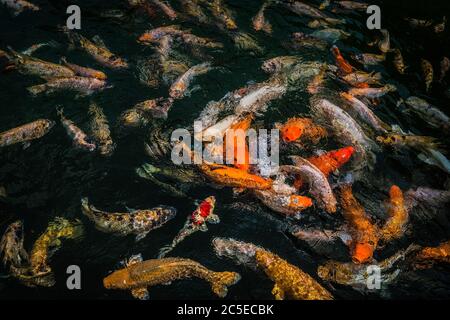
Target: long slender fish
<point x="290" y="281"/>
<point x="82" y="85"/>
<point x="28" y="65"/>
<point x="99" y="128"/>
<point x="139" y="275"/>
<point x="83" y="71"/>
<point x="78" y="137"/>
<point x="138" y="222"/>
<point x="25" y="133"/>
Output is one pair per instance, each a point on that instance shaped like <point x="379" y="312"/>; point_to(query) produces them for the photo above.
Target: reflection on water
<point x="49" y="178"/>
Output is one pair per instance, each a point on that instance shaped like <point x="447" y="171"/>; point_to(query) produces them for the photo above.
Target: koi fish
<point x="372" y="92"/>
<point x="85" y="86"/>
<point x="28" y="65"/>
<point x="300" y="40"/>
<point x="83" y="71"/>
<point x="166" y="8"/>
<point x="364" y="234"/>
<point x="236" y="144"/>
<point x="11" y="246"/>
<point x="143" y="112"/>
<point x="180" y="86"/>
<point x="302" y="128"/>
<point x="428" y="73"/>
<point x="222" y="14"/>
<point x="100" y="130"/>
<point x="398" y="61"/>
<point x="357" y="78"/>
<point x="25" y="133"/>
<point x="353" y="5"/>
<point x="364" y="113"/>
<point x="290" y="281"/>
<point x="384" y="44"/>
<point x="429" y="256"/>
<point x="195" y="222"/>
<point x="316" y="83"/>
<point x="369" y="59"/>
<point x="318" y="183"/>
<point x="288" y="205"/>
<point x="138" y="275"/>
<point x="18" y="6"/>
<point x="97" y="50"/>
<point x="394" y="227"/>
<point x="279" y="64"/>
<point x="427" y="197"/>
<point x="342" y="64"/>
<point x="301" y="8"/>
<point x="260" y="22"/>
<point x="429" y="113"/>
<point x="76" y="134"/>
<point x="137" y="222"/>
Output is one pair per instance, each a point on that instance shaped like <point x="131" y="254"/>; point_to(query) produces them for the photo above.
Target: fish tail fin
<point x="38" y="89"/>
<point x="164" y="251"/>
<point x="161" y="111"/>
<point x="60" y="111"/>
<point x="63" y="60"/>
<point x="222" y="280"/>
<point x="85" y="207"/>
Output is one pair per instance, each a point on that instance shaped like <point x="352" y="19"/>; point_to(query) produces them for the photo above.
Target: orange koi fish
<point x="363" y="232"/>
<point x="342" y="64"/>
<point x="430" y="255"/>
<point x="239" y="145"/>
<point x="296" y="128"/>
<point x="398" y="216"/>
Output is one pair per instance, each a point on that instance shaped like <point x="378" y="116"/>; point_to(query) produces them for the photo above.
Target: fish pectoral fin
<point x="25" y="145"/>
<point x="141" y="236"/>
<point x="277" y="292"/>
<point x="140" y="293"/>
<point x="203" y="227"/>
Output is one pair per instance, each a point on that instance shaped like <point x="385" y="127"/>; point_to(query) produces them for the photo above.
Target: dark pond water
<point x="49" y="178"/>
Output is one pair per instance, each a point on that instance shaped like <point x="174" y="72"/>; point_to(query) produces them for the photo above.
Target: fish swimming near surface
<point x="316" y="83"/>
<point x="83" y="71"/>
<point x="286" y="204"/>
<point x="384" y="44"/>
<point x="429" y="256"/>
<point x="302" y="129"/>
<point x="195" y="222"/>
<point x="427" y="73"/>
<point x="369" y="59"/>
<point x="318" y="183"/>
<point x="290" y="281"/>
<point x="166" y="8"/>
<point x="143" y="112"/>
<point x="77" y="135"/>
<point x="279" y="64"/>
<point x="372" y="92"/>
<point x="137" y="222"/>
<point x="84" y="86"/>
<point x="342" y="64"/>
<point x="29" y="65"/>
<point x="97" y="50"/>
<point x="18" y="6"/>
<point x="222" y="14"/>
<point x="180" y="86"/>
<point x="364" y="234"/>
<point x="398" y="215"/>
<point x="358" y="78"/>
<point x="100" y="131"/>
<point x="26" y="133"/>
<point x="138" y="275"/>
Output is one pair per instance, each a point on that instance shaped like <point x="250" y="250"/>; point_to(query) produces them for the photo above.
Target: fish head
<point x="49" y="124"/>
<point x="271" y="65"/>
<point x="291" y="132"/>
<point x="166" y="213"/>
<point x="118" y="62"/>
<point x="177" y="91"/>
<point x="147" y="37"/>
<point x="362" y="252"/>
<point x="324" y="272"/>
<point x="119" y="279"/>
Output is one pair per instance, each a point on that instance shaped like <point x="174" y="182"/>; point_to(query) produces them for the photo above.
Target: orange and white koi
<point x="394" y="227"/>
<point x="342" y="64"/>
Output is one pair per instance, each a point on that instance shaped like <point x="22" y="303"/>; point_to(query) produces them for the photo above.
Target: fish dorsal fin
<point x="98" y="41"/>
<point x="134" y="259"/>
<point x="140" y="293"/>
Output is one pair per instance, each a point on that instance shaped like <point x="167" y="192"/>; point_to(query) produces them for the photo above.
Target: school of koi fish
<point x="362" y="184"/>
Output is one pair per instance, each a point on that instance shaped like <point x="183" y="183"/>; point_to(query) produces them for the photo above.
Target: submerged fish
<point x="302" y="8"/>
<point x="260" y="22"/>
<point x="364" y="234"/>
<point x="358" y="78"/>
<point x="166" y="8"/>
<point x="342" y="64"/>
<point x="384" y="44"/>
<point x="427" y="197"/>
<point x="222" y="14"/>
<point x="18" y="6"/>
<point x="365" y="114"/>
<point x="301" y="128"/>
<point x="83" y="71"/>
<point x="25" y="133"/>
<point x="11" y="246"/>
<point x="353" y="5"/>
<point x="28" y="65"/>
<point x="369" y="59"/>
<point x="279" y="64"/>
<point x="289" y="205"/>
<point x="139" y="275"/>
<point x="357" y="276"/>
<point x="301" y="40"/>
<point x="100" y="132"/>
<point x="97" y="50"/>
<point x="143" y="112"/>
<point x="290" y="281"/>
<point x="345" y="129"/>
<point x="398" y="61"/>
<point x="316" y="83"/>
<point x="394" y="227"/>
<point x="429" y="256"/>
<point x="427" y="72"/>
<point x="181" y="85"/>
<point x="195" y="222"/>
<point x="85" y="86"/>
<point x="137" y="222"/>
<point x="77" y="135"/>
<point x="372" y="92"/>
<point x="429" y="113"/>
<point x="330" y="34"/>
<point x="318" y="183"/>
